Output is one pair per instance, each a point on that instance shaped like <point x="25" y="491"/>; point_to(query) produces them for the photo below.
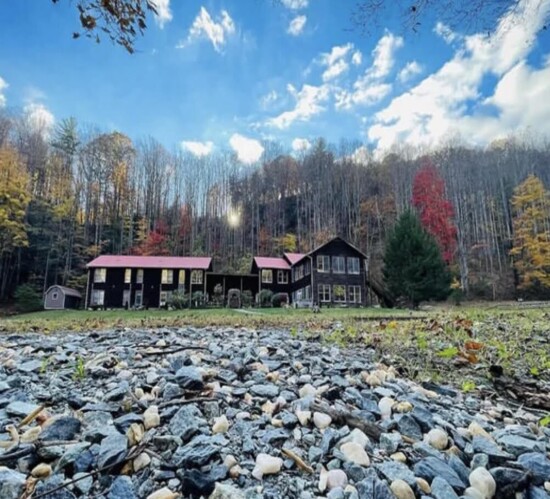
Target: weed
<point x="79" y="370"/>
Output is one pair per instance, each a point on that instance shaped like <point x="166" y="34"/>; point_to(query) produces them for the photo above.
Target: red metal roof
<point x="152" y="262"/>
<point x="267" y="262"/>
<point x="294" y="257"/>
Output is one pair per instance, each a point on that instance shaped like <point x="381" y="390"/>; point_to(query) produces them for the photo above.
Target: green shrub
<point x="246" y="298"/>
<point x="217" y="297"/>
<point x="278" y="299"/>
<point x="198" y="300"/>
<point x="179" y="300"/>
<point x="264" y="298"/>
<point x="27" y="299"/>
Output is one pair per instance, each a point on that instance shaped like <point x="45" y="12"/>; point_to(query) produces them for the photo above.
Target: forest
<point x="70" y="193"/>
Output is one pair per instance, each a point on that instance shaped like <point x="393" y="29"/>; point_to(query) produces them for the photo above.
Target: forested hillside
<point x="71" y="193"/>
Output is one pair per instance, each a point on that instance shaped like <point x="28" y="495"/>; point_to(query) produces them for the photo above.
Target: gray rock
<point x="394" y="470"/>
<point x="21" y="409"/>
<point x="266" y="391"/>
<point x="431" y="467"/>
<point x="538" y="464"/>
<point x="50" y="484"/>
<point x="189" y="378"/>
<point x="112" y="450"/>
<point x="409" y="427"/>
<point x="199" y="451"/>
<point x="122" y="488"/>
<point x="12" y="483"/>
<point x="518" y="445"/>
<point x="442" y="490"/>
<point x="461" y="469"/>
<point x="71" y="454"/>
<point x="495" y="453"/>
<point x="62" y="428"/>
<point x="390" y="442"/>
<point x="479" y="461"/>
<point x="84" y="483"/>
<point x="30" y="366"/>
<point x="186" y="422"/>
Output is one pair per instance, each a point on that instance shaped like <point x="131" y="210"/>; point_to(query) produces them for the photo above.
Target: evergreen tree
<point x="413" y="266"/>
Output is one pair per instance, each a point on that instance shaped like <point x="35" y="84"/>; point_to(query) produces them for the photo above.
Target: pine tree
<point x="413" y="266"/>
<point x="436" y="211"/>
<point x="531" y="245"/>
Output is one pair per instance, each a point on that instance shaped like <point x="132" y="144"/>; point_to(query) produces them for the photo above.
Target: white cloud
<point x="335" y="61"/>
<point x="205" y="27"/>
<point x="164" y="14"/>
<point x="445" y="32"/>
<point x="248" y="150"/>
<point x="384" y="55"/>
<point x="3" y="86"/>
<point x="295" y="4"/>
<point x="308" y="103"/>
<point x="297" y="25"/>
<point x="440" y="103"/>
<point x="39" y="118"/>
<point x="268" y="99"/>
<point x="411" y="69"/>
<point x="300" y="144"/>
<point x="196" y="148"/>
<point x="364" y="93"/>
<point x="357" y="58"/>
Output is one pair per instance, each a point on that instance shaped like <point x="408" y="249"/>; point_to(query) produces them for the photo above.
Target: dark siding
<point x="242" y="282"/>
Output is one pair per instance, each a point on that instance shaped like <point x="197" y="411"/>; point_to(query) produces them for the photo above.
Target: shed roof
<point x="67" y="291"/>
<point x="268" y="262"/>
<point x="152" y="262"/>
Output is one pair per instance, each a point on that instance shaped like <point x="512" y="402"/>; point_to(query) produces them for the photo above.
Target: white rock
<point x="336" y="478"/>
<point x="142" y="461"/>
<point x="225" y="491"/>
<point x="476" y="430"/>
<point x="41" y="470"/>
<point x="266" y="465"/>
<point x="404" y="406"/>
<point x="321" y="420"/>
<point x="437" y="438"/>
<point x="358" y="437"/>
<point x="151" y="418"/>
<point x="304" y="417"/>
<point x="372" y="380"/>
<point x="323" y="477"/>
<point x="484" y="482"/>
<point x="355" y="453"/>
<point x="385" y="405"/>
<point x="229" y="461"/>
<point x="307" y="390"/>
<point x="547" y="486"/>
<point x="164" y="493"/>
<point x="125" y="374"/>
<point x="473" y="493"/>
<point x="221" y="425"/>
<point x="402" y="490"/>
<point x="160" y="343"/>
<point x="399" y="456"/>
<point x="423" y="485"/>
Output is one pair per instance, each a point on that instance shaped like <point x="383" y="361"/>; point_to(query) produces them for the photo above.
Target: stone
<point x="321" y="420"/>
<point x="122" y="488"/>
<point x="112" y="450"/>
<point x="355" y="453"/>
<point x="226" y="491"/>
<point x="307" y="391"/>
<point x="473" y="493"/>
<point x="189" y="378"/>
<point x="50" y="488"/>
<point x="151" y="418"/>
<point x="266" y="391"/>
<point x="437" y="438"/>
<point x="484" y="482"/>
<point x="518" y="445"/>
<point x="336" y="478"/>
<point x="12" y="483"/>
<point x="141" y="461"/>
<point x="199" y="451"/>
<point x="186" y="422"/>
<point x="390" y="442"/>
<point x="198" y="483"/>
<point x="20" y="409"/>
<point x="423" y="485"/>
<point x="489" y="447"/>
<point x="84" y="483"/>
<point x="385" y="406"/>
<point x="41" y="471"/>
<point x="30" y="366"/>
<point x="164" y="493"/>
<point x="403" y="407"/>
<point x="393" y="470"/>
<point x="266" y="465"/>
<point x="61" y="428"/>
<point x="441" y="489"/>
<point x="538" y="464"/>
<point x="409" y="427"/>
<point x="431" y="467"/>
<point x="402" y="490"/>
<point x="221" y="425"/>
<point x="304" y="417"/>
<point x="476" y="430"/>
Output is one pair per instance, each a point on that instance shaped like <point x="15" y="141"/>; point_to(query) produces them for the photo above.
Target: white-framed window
<point x="98" y="297"/>
<point x="307" y="292"/>
<point x="323" y="263"/>
<point x="163" y="299"/>
<point x="353" y="265"/>
<point x="127" y="276"/>
<point x="307" y="267"/>
<point x="354" y="294"/>
<point x="339" y="293"/>
<point x="267" y="276"/>
<point x="282" y="277"/>
<point x="139" y="276"/>
<point x="299" y="295"/>
<point x="126" y="298"/>
<point x="100" y="275"/>
<point x="324" y="292"/>
<point x="196" y="277"/>
<point x="139" y="299"/>
<point x="338" y="265"/>
<point x="181" y="281"/>
<point x="167" y="276"/>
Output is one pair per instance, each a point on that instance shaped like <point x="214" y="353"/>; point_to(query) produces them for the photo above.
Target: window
<point x="139" y="298"/>
<point x="298" y="272"/>
<point x="339" y="265"/>
<point x="324" y="292"/>
<point x="354" y="294"/>
<point x="353" y="265"/>
<point x="339" y="293"/>
<point x="307" y="267"/>
<point x="307" y="293"/>
<point x="282" y="277"/>
<point x="323" y="263"/>
<point x="127" y="276"/>
<point x="196" y="277"/>
<point x="100" y="275"/>
<point x="163" y="298"/>
<point x="181" y="281"/>
<point x="267" y="276"/>
<point x="167" y="276"/>
<point x="126" y="298"/>
<point x="139" y="276"/>
<point x="299" y="295"/>
<point x="98" y="297"/>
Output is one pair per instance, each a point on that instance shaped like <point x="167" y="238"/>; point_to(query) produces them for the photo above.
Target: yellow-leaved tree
<point x="14" y="199"/>
<point x="531" y="245"/>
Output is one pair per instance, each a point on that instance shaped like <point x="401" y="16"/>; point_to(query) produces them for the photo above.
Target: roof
<point x="152" y="262"/>
<point x="65" y="290"/>
<point x="298" y="257"/>
<point x="294" y="257"/>
<point x="267" y="262"/>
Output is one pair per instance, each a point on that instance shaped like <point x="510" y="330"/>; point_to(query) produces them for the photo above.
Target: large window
<point x="127" y="276"/>
<point x="324" y="292"/>
<point x="139" y="299"/>
<point x="353" y="265"/>
<point x="100" y="275"/>
<point x="354" y="294"/>
<point x="282" y="277"/>
<point x="139" y="276"/>
<point x="196" y="277"/>
<point x="339" y="293"/>
<point x="307" y="267"/>
<point x="307" y="293"/>
<point x="98" y="297"/>
<point x="267" y="276"/>
<point x="323" y="263"/>
<point x="298" y="272"/>
<point x="126" y="298"/>
<point x="338" y="265"/>
<point x="167" y="276"/>
<point x="165" y="297"/>
<point x="181" y="281"/>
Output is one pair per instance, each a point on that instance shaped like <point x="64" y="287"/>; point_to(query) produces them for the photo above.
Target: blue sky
<point x="213" y="75"/>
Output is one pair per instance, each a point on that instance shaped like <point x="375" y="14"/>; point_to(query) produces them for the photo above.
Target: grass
<point x="451" y="344"/>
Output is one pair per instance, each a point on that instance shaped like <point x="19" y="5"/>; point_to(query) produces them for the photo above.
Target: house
<point x="272" y="273"/>
<point x="143" y="281"/>
<point x="60" y="297"/>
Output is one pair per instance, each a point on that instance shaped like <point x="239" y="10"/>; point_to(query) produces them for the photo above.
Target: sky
<point x="215" y="75"/>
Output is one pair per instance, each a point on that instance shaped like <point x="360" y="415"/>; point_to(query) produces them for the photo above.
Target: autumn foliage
<point x="435" y="210"/>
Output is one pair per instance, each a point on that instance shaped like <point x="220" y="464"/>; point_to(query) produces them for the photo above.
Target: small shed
<point x="60" y="297"/>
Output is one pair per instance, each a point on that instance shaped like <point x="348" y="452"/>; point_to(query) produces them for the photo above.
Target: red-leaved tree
<point x="435" y="210"/>
<point x="155" y="244"/>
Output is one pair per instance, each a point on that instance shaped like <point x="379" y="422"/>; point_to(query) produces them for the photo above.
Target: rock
<point x="518" y="445"/>
<point x="189" y="378"/>
<point x="399" y="457"/>
<point x="304" y="417"/>
<point x="52" y="485"/>
<point x="409" y="427"/>
<point x="483" y="481"/>
<point x="307" y="391"/>
<point x="112" y="450"/>
<point x="336" y="478"/>
<point x="423" y="485"/>
<point x="61" y="428"/>
<point x="41" y="471"/>
<point x="489" y="447"/>
<point x="199" y="451"/>
<point x="164" y="493"/>
<point x="385" y="406"/>
<point x="135" y="434"/>
<point x="402" y="490"/>
<point x="221" y="425"/>
<point x="197" y="483"/>
<point x="30" y="366"/>
<point x="442" y="490"/>
<point x="20" y="409"/>
<point x="186" y="422"/>
<point x="122" y="488"/>
<point x="266" y="391"/>
<point x="393" y="470"/>
<point x="151" y="418"/>
<point x="403" y="407"/>
<point x="12" y="483"/>
<point x="142" y="461"/>
<point x="355" y="453"/>
<point x="390" y="442"/>
<point x="266" y="465"/>
<point x="431" y="467"/>
<point x="84" y="483"/>
<point x="476" y="430"/>
<point x="225" y="491"/>
<point x="321" y="420"/>
<point x="538" y="464"/>
<point x="437" y="438"/>
<point x="473" y="493"/>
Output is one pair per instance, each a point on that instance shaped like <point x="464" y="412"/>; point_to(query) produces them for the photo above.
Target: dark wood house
<point x="60" y="297"/>
<point x="273" y="273"/>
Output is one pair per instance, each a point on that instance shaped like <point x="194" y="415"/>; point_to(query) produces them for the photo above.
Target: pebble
<point x="12" y="483"/>
<point x="437" y="438"/>
<point x="304" y="417"/>
<point x="151" y="418"/>
<point x="483" y="481"/>
<point x="336" y="479"/>
<point x="321" y="420"/>
<point x="355" y="453"/>
<point x="402" y="490"/>
<point x="41" y="470"/>
<point x="266" y="465"/>
<point x="164" y="493"/>
<point x="221" y="425"/>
